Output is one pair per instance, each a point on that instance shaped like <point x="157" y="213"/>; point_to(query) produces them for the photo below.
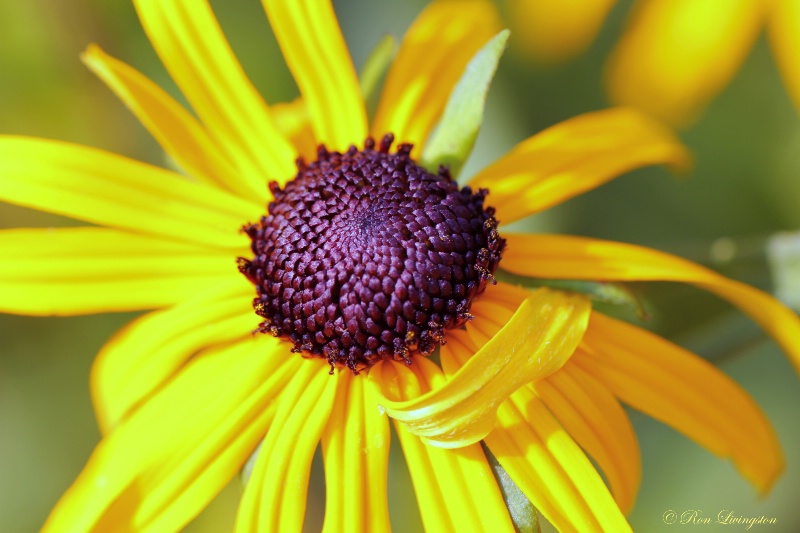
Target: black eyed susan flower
<point x="353" y="261"/>
<point x="673" y="57"/>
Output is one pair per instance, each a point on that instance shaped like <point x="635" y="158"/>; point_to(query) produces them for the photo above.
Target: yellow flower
<point x="674" y="56"/>
<point x="186" y="394"/>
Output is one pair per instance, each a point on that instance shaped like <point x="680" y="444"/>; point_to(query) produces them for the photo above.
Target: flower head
<point x="363" y="260"/>
<point x="365" y="256"/>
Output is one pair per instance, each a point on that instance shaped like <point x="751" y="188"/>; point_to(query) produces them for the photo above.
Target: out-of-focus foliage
<point x="745" y="186"/>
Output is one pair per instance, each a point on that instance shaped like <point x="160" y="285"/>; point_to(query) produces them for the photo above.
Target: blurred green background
<point x="745" y="187"/>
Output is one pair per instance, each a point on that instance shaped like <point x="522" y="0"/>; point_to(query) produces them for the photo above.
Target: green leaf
<point x="458" y="128"/>
<point x="374" y="68"/>
<point x="604" y="292"/>
<point x="523" y="513"/>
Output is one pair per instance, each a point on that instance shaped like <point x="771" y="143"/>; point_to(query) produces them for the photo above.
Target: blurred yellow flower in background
<point x="551" y="32"/>
<point x="674" y="56"/>
<point x="185" y="394"/>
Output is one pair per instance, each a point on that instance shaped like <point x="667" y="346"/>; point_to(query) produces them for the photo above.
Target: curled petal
<point x="586" y="410"/>
<point x="536" y="342"/>
<point x="455" y="489"/>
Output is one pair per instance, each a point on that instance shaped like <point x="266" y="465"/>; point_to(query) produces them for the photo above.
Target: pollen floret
<point x="365" y="255"/>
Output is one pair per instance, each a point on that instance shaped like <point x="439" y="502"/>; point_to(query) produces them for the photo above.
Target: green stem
<point x="523" y="514"/>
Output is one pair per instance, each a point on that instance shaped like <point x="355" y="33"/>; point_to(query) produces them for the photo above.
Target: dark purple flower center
<point x="365" y="256"/>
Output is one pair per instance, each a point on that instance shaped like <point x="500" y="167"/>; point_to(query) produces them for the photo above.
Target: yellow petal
<point x="550" y="31"/>
<point x="355" y="449"/>
<point x="456" y="489"/>
<point x="181" y="136"/>
<point x="598" y="423"/>
<point x="431" y="59"/>
<point x="191" y="45"/>
<point x="536" y="342"/>
<point x="551" y="469"/>
<point x="149" y="351"/>
<point x="491" y="312"/>
<point x="684" y="391"/>
<point x="504" y="294"/>
<point x="107" y="189"/>
<point x="573" y="157"/>
<point x="293" y="121"/>
<point x="275" y="496"/>
<point x="586" y="410"/>
<point x="312" y="43"/>
<point x="675" y="56"/>
<point x="490" y="317"/>
<point x="72" y="271"/>
<point x="567" y="257"/>
<point x="784" y="36"/>
<point x="161" y="467"/>
<point x="459" y="349"/>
